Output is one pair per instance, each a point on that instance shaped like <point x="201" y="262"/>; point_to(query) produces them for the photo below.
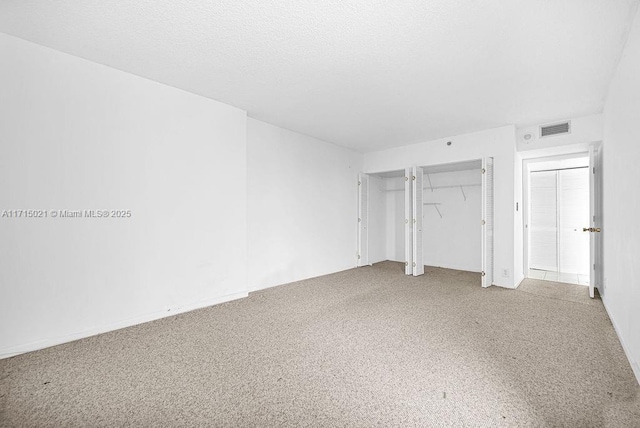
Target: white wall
<point x="77" y="135"/>
<point x="584" y="129"/>
<point x="302" y="204"/>
<point x="455" y="240"/>
<point x="498" y="143"/>
<point x="621" y="229"/>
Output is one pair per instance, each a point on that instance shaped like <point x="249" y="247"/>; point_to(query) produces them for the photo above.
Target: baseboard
<point x="457" y="267"/>
<point x="508" y="286"/>
<point x="635" y="367"/>
<point x="59" y="340"/>
<point x="253" y="289"/>
<point x="519" y="282"/>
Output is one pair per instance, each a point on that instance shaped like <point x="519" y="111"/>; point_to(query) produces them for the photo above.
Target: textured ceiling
<point x="362" y="74"/>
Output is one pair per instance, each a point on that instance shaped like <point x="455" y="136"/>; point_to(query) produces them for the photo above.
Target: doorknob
<point x="591" y="229"/>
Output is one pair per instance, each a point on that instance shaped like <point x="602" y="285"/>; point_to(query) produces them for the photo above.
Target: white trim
<point x="522" y="278"/>
<point x="453" y="266"/>
<point x="509" y="286"/>
<point x="304" y="278"/>
<point x="52" y="341"/>
<point x="635" y="366"/>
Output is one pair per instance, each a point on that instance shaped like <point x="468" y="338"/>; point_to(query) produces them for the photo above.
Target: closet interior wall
<point x="395" y="217"/>
<point x="386" y="217"/>
<point x="377" y="219"/>
<point x="452" y="219"/>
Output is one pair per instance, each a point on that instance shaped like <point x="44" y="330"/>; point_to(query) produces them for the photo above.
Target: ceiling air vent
<point x="555" y="129"/>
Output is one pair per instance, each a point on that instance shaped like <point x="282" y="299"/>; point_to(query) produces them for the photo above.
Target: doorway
<point x="559" y="198"/>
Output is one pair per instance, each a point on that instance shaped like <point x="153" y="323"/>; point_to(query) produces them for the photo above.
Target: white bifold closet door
<point x="559" y="201"/>
<point x="408" y="221"/>
<point x="418" y="263"/>
<point x="487" y="222"/>
<point x="573" y="215"/>
<point x="363" y="220"/>
<point x="543" y="223"/>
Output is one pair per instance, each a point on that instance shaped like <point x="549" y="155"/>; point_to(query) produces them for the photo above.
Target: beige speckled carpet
<point x="363" y="347"/>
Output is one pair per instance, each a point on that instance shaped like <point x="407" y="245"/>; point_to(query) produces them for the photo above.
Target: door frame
<point x="581" y="152"/>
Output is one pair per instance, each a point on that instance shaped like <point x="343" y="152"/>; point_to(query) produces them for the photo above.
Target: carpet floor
<point x="359" y="348"/>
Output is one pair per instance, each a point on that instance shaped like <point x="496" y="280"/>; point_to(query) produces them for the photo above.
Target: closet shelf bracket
<point x="435" y="205"/>
<point x="463" y="195"/>
<point x="430" y="185"/>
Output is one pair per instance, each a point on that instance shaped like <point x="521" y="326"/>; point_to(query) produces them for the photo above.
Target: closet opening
<point x="435" y="215"/>
<point x="558" y="219"/>
<point x="453" y="214"/>
<point x="384" y="219"/>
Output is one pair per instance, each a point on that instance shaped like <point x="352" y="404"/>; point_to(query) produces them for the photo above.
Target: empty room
<point x="338" y="213"/>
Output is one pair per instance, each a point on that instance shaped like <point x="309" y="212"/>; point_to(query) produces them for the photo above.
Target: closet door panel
<point x="487" y="222"/>
<point x="363" y="220"/>
<point x="418" y="263"/>
<point x="543" y="224"/>
<point x="573" y="209"/>
<point x="408" y="221"/>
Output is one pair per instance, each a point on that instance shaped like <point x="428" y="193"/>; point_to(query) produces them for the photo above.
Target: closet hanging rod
<point x="454" y="186"/>
<point x="438" y="187"/>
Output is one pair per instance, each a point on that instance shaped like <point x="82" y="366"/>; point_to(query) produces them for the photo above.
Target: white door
<point x="363" y="220"/>
<point x="573" y="215"/>
<point x="418" y="264"/>
<point x="595" y="212"/>
<point x="543" y="220"/>
<point x="408" y="221"/>
<point x="487" y="222"/>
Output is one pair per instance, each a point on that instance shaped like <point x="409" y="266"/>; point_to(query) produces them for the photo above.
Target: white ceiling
<point x="362" y="74"/>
